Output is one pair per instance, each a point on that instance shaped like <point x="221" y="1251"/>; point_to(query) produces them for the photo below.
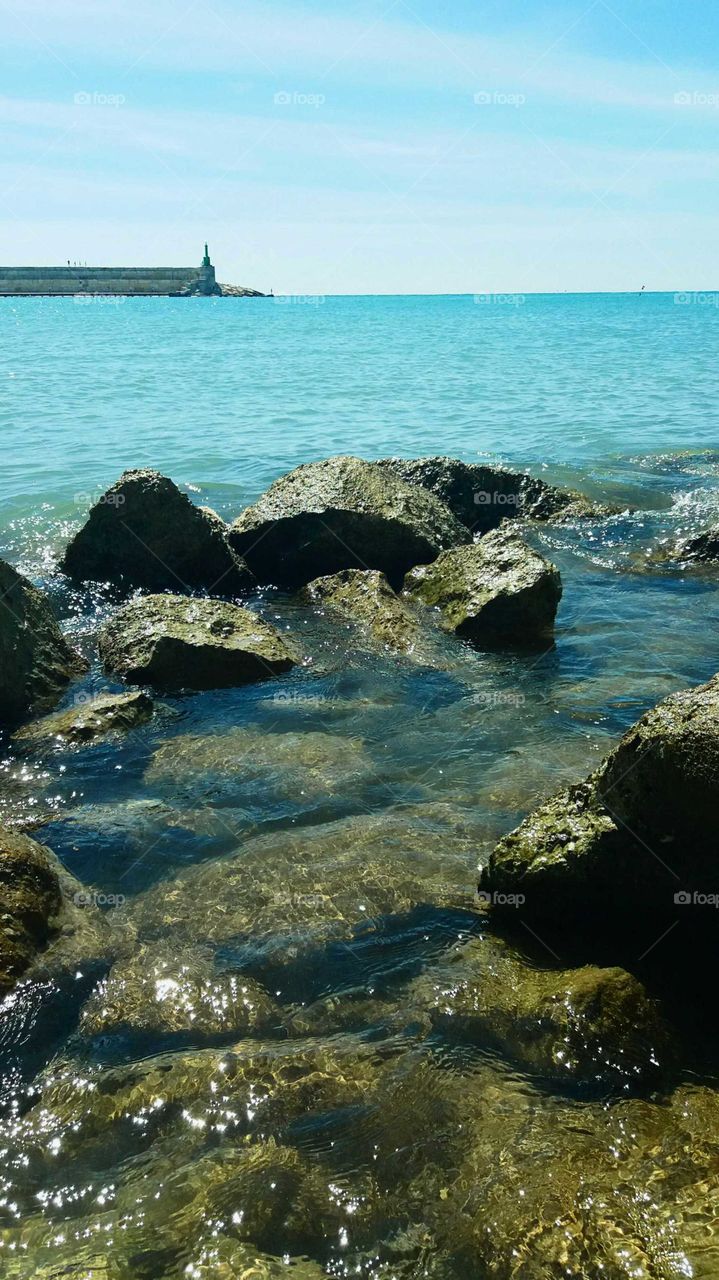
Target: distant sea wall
<point x="132" y="281"/>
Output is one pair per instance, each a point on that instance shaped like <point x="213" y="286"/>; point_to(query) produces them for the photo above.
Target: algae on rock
<point x="36" y="661"/>
<point x="144" y="532"/>
<point x="174" y="642"/>
<point x="342" y="513"/>
<point x="498" y="591"/>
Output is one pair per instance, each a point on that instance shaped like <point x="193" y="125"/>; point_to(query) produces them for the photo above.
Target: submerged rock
<point x="158" y="991"/>
<point x="342" y="513"/>
<point x="364" y="596"/>
<point x="144" y="532"/>
<point x="291" y="892"/>
<point x="481" y="496"/>
<point x="496" y="591"/>
<point x="590" y="1025"/>
<point x="174" y="643"/>
<point x="36" y="661"/>
<point x="557" y="1189"/>
<point x="30" y="897"/>
<point x="304" y="769"/>
<point x="95" y="718"/>
<point x="633" y="842"/>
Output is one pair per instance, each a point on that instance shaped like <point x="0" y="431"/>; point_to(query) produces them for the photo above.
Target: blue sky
<point x="376" y="147"/>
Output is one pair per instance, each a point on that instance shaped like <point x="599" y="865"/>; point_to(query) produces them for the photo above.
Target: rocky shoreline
<point x="551" y="975"/>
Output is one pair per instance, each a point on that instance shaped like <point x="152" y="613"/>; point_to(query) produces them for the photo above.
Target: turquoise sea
<point x="117" y="1154"/>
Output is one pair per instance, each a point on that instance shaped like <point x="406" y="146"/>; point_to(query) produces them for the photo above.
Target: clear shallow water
<point x="359" y="798"/>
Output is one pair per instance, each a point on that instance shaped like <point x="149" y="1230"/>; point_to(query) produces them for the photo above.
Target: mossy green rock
<point x="90" y="719"/>
<point x="342" y="513"/>
<point x="496" y="591"/>
<point x="590" y="1025"/>
<point x="173" y="642"/>
<point x="482" y="496"/>
<point x="30" y="897"/>
<point x="662" y="780"/>
<point x="144" y="532"/>
<point x="621" y="847"/>
<point x="365" y="597"/>
<point x="565" y="859"/>
<point x="622" y="1191"/>
<point x="36" y="661"/>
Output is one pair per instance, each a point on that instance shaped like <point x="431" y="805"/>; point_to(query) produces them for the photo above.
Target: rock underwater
<point x="365" y="597"/>
<point x="36" y="661"/>
<point x="342" y="513"/>
<point x="173" y="642"/>
<point x="144" y="532"/>
<point x="90" y="720"/>
<point x="48" y="922"/>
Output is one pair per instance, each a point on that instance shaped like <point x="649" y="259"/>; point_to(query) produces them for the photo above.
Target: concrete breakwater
<point x="71" y="281"/>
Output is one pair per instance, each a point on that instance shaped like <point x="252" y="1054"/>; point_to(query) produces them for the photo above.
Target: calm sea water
<point x="616" y="394"/>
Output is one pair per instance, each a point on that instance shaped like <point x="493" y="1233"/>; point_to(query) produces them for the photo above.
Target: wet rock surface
<point x="342" y="513"/>
<point x="271" y="1030"/>
<point x="365" y="597"/>
<point x="174" y="643"/>
<point x="482" y="496"/>
<point x="497" y="591"/>
<point x="144" y="532"/>
<point x="36" y="661"/>
<point x="587" y="1025"/>
<point x="157" y="991"/>
<point x="304" y="770"/>
<point x="29" y="899"/>
<point x="620" y="848"/>
<point x="289" y="893"/>
<point x="90" y="719"/>
<point x="702" y="548"/>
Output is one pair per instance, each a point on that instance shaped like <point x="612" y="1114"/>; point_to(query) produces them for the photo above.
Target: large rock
<point x="95" y="718"/>
<point x="36" y="662"/>
<point x="342" y="513"/>
<point x="365" y="597"/>
<point x="496" y="591"/>
<point x="634" y="846"/>
<point x="30" y="897"/>
<point x="177" y="643"/>
<point x="144" y="532"/>
<point x="481" y="496"/>
<point x="590" y="1025"/>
